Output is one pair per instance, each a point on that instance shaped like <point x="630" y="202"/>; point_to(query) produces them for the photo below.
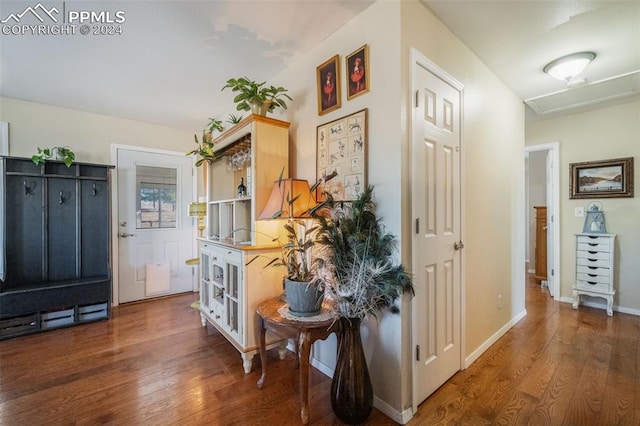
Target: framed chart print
<point x="341" y="147"/>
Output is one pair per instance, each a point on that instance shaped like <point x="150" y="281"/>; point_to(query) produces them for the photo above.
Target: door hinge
<point x="417" y="98"/>
<point x="417" y="352"/>
<point x="417" y="225"/>
<point x="553" y="272"/>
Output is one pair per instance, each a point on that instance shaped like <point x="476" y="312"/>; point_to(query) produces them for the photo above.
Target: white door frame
<point x="554" y="148"/>
<point x="114" y="213"/>
<point x="419" y="60"/>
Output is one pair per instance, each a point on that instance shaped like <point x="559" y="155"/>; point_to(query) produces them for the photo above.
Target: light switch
<point x="579" y="212"/>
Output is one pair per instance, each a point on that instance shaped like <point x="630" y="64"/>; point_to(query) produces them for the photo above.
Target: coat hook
<point x="27" y="190"/>
<point x="61" y="198"/>
<point x="94" y="190"/>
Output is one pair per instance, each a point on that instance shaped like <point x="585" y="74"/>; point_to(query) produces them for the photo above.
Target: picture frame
<point x="357" y="72"/>
<point x="341" y="147"/>
<point x="328" y="81"/>
<point x="602" y="179"/>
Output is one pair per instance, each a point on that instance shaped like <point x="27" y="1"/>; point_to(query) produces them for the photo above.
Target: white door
<point x="436" y="243"/>
<point x="550" y="224"/>
<point x="155" y="235"/>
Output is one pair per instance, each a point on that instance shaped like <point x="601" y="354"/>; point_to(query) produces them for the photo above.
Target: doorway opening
<point x="542" y="198"/>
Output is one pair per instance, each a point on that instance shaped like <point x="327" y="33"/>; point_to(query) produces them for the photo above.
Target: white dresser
<point x="595" y="254"/>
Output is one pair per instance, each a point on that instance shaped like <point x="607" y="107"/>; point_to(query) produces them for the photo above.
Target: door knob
<point x="125" y="235"/>
<point x="458" y="245"/>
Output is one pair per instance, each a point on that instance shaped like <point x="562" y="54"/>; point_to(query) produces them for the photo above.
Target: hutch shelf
<point x="231" y="284"/>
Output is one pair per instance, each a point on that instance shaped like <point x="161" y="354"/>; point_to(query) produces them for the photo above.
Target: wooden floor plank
<point x="153" y="363"/>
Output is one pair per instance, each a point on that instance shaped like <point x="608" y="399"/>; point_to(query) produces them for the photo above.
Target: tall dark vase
<point x="351" y="389"/>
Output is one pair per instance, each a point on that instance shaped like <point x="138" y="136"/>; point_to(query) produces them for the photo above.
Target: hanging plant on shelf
<point x="214" y="125"/>
<point x="62" y="153"/>
<point x="204" y="150"/>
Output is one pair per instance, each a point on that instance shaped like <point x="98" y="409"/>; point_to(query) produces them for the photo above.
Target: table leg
<point x="304" y="345"/>
<point x="261" y="330"/>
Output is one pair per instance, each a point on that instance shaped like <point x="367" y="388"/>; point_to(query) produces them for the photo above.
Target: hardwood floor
<point x="153" y="364"/>
<point x="557" y="366"/>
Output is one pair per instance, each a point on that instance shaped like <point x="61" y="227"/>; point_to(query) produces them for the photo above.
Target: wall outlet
<point x="499" y="301"/>
<point x="579" y="212"/>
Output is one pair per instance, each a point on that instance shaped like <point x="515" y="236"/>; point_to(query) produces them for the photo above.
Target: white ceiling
<point x="173" y="57"/>
<point x="517" y="38"/>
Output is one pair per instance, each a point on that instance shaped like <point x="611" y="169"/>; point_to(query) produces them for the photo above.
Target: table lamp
<point x="199" y="210"/>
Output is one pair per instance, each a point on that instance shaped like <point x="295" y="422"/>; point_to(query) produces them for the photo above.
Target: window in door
<point x="156" y="197"/>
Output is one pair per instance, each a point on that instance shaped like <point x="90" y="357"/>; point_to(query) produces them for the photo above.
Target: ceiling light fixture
<point x="567" y="67"/>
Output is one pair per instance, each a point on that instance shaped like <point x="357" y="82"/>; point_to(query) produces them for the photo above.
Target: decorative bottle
<point x="242" y="189"/>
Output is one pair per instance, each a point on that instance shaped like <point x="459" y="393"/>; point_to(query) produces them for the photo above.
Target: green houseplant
<point x="63" y="153"/>
<point x="358" y="270"/>
<point x="204" y="149"/>
<point x="257" y="97"/>
<point x="234" y="119"/>
<point x="294" y="200"/>
<point x="214" y="125"/>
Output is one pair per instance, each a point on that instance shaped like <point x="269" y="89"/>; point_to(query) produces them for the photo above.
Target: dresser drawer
<point x="593" y="278"/>
<point x="589" y="239"/>
<point x="592" y="270"/>
<point x="591" y="286"/>
<point x="590" y="263"/>
<point x="594" y="247"/>
<point x="593" y="255"/>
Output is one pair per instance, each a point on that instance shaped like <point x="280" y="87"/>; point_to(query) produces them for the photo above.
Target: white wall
<point x="384" y="339"/>
<point x="606" y="133"/>
<point x="493" y="171"/>
<point x="493" y="179"/>
<point x="90" y="135"/>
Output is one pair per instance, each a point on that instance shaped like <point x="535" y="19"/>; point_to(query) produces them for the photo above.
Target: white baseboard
<point x="490" y="341"/>
<point x="599" y="305"/>
<point x="324" y="369"/>
<point x="395" y="415"/>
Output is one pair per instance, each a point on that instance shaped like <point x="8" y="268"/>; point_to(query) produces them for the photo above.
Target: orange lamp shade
<point x="290" y="198"/>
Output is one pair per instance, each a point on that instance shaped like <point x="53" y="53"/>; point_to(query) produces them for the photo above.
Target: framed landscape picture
<point x="341" y="148"/>
<point x="602" y="179"/>
<point x="328" y="77"/>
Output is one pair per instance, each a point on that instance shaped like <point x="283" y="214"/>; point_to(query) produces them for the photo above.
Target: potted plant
<point x="204" y="149"/>
<point x="234" y="119"/>
<point x="294" y="200"/>
<point x="256" y="97"/>
<point x="63" y="153"/>
<point x="358" y="271"/>
<point x="214" y="125"/>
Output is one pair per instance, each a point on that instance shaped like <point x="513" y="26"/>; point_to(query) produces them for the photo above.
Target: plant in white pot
<point x="257" y="97"/>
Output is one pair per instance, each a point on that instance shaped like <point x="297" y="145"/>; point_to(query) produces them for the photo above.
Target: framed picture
<point x="357" y="72"/>
<point x="341" y="147"/>
<point x="602" y="179"/>
<point x="328" y="75"/>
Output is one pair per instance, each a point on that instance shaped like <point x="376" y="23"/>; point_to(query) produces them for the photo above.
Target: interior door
<point x="155" y="235"/>
<point x="436" y="243"/>
<point x="551" y="286"/>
